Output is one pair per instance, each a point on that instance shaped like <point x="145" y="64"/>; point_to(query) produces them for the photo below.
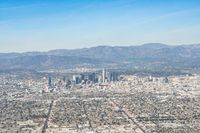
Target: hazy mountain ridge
<point x="153" y="55"/>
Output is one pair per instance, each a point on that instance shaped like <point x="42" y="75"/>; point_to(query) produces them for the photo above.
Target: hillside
<point x="147" y="56"/>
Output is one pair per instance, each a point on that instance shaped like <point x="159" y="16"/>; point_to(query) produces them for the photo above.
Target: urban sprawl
<point x="103" y="101"/>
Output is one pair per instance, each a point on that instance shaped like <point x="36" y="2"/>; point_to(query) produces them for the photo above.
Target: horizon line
<point x="103" y="45"/>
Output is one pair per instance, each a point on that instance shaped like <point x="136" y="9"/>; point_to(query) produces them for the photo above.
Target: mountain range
<point x="152" y="56"/>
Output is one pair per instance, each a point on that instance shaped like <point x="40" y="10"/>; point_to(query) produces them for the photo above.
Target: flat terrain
<point x="135" y="104"/>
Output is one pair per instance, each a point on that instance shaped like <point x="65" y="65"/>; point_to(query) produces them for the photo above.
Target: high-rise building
<point x="82" y="77"/>
<point x="77" y="79"/>
<point x="92" y="77"/>
<point x="166" y="80"/>
<point x="49" y="82"/>
<point x="103" y="75"/>
<point x="113" y="76"/>
<point x="64" y="79"/>
<point x="99" y="78"/>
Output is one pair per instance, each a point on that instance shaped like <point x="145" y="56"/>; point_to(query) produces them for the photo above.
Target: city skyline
<point x="45" y="25"/>
<point x="93" y="66"/>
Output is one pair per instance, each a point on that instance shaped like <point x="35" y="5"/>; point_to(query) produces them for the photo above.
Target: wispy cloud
<point x="23" y="6"/>
<point x="168" y="15"/>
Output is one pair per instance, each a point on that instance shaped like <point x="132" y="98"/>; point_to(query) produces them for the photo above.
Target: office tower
<point x="166" y="80"/>
<point x="113" y="76"/>
<point x="64" y="79"/>
<point x="82" y="77"/>
<point x="49" y="82"/>
<point x="103" y="75"/>
<point x="92" y="77"/>
<point x="99" y="78"/>
<point x="150" y="79"/>
<point x="77" y="79"/>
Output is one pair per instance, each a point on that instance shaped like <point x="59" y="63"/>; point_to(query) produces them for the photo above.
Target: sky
<point x="42" y="25"/>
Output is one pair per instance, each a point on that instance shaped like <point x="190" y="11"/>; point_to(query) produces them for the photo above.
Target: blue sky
<point x="41" y="25"/>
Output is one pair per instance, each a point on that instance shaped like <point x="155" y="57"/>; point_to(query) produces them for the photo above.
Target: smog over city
<point x="99" y="66"/>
